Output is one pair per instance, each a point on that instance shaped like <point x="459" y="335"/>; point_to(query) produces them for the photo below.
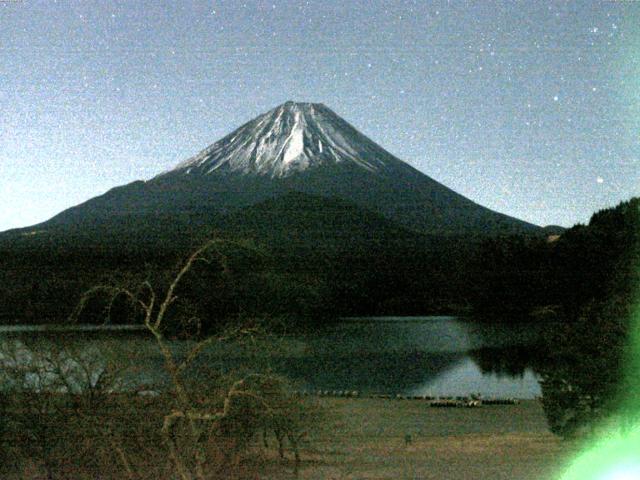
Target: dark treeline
<point x="297" y="258"/>
<point x="305" y="257"/>
<point x="44" y="285"/>
<point x="583" y="285"/>
<point x="587" y="264"/>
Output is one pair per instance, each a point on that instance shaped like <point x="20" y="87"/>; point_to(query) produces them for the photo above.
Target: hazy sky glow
<point x="530" y="108"/>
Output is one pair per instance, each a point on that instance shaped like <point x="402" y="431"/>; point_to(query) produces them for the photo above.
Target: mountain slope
<point x="294" y="147"/>
<point x="316" y="225"/>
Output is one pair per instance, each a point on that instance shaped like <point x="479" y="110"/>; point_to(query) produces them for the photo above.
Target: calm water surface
<point x="391" y="355"/>
<point x="418" y="356"/>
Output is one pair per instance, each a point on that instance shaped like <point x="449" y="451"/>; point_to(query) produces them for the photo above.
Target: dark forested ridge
<point x="318" y="257"/>
<point x="332" y="256"/>
<point x="584" y="286"/>
<point x="598" y="282"/>
<point x="586" y="264"/>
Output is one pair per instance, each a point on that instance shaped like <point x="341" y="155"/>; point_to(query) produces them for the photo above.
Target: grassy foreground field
<point x="350" y="438"/>
<point x="365" y="439"/>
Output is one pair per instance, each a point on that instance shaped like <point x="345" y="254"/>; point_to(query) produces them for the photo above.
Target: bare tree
<point x="189" y="426"/>
<point x="52" y="389"/>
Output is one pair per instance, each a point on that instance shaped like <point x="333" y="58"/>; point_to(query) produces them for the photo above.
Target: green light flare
<point x="616" y="455"/>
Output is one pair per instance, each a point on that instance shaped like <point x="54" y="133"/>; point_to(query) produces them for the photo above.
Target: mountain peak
<point x="289" y="138"/>
<point x="300" y="105"/>
<point x="296" y="146"/>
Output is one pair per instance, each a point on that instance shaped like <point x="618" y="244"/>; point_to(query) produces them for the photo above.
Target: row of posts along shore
<point x="473" y="400"/>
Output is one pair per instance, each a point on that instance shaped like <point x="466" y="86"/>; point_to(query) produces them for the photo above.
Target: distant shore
<point x="61" y="327"/>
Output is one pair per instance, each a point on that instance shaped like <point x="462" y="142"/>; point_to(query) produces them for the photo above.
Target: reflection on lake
<point x="417" y="356"/>
<point x="410" y="356"/>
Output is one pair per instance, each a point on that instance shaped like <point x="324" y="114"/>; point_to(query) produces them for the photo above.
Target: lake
<point x="437" y="356"/>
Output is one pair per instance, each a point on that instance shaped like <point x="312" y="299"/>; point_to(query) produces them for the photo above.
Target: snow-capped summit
<point x="295" y="147"/>
<point x="289" y="138"/>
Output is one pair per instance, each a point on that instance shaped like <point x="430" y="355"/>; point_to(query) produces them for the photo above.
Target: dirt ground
<point x="366" y="439"/>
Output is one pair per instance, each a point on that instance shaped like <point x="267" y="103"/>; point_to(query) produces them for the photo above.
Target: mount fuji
<point x="344" y="225"/>
<point x="304" y="148"/>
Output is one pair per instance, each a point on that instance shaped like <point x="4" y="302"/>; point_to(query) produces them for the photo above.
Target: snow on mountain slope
<point x="295" y="147"/>
<point x="289" y="138"/>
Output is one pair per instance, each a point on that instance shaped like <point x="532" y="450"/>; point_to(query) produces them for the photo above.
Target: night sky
<point x="530" y="108"/>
